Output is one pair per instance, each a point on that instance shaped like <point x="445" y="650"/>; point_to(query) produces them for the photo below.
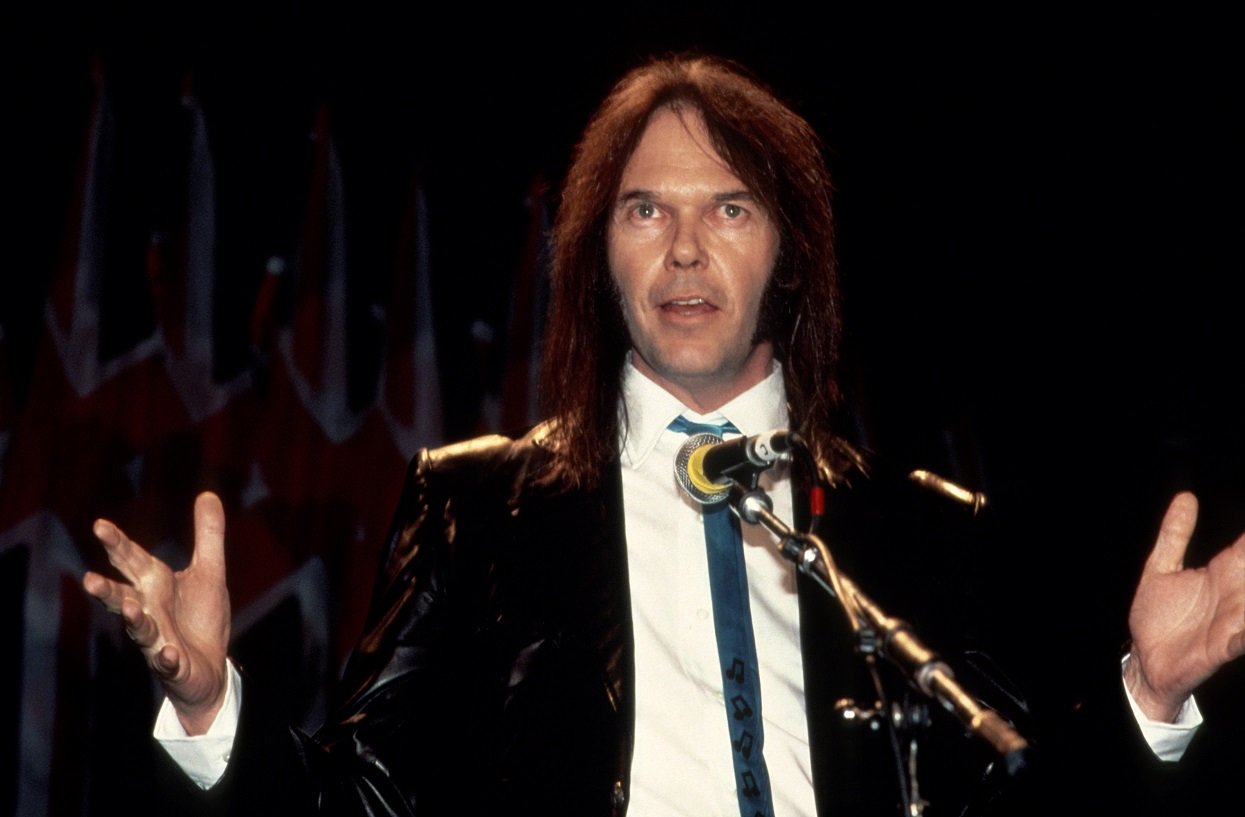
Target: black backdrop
<point x="1039" y="216"/>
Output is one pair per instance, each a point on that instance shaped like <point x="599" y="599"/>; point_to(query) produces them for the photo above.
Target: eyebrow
<point x="641" y="194"/>
<point x="636" y="195"/>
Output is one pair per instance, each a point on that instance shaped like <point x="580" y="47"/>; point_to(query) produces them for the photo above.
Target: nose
<point x="686" y="249"/>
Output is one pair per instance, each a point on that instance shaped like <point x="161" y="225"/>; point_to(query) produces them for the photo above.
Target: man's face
<point x="691" y="252"/>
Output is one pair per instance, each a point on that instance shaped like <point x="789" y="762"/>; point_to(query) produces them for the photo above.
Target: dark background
<point x="1039" y="234"/>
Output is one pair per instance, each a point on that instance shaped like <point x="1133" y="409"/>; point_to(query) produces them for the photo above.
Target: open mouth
<point x="687" y="306"/>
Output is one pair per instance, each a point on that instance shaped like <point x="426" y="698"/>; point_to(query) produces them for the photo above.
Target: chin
<point x="692" y="369"/>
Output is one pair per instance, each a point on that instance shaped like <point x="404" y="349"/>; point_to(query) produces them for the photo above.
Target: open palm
<point x="179" y="619"/>
<point x="1185" y="622"/>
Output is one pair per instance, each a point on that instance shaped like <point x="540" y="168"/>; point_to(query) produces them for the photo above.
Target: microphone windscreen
<point x="695" y="485"/>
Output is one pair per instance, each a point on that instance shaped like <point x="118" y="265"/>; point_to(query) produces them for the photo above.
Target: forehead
<point x="676" y="149"/>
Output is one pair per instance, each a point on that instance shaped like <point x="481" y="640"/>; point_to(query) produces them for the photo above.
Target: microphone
<point x="706" y="465"/>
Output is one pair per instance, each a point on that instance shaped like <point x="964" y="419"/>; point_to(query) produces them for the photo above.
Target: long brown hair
<point x="773" y="151"/>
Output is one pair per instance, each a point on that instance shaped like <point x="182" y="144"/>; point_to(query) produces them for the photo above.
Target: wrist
<point x="197" y="718"/>
<point x="1152" y="703"/>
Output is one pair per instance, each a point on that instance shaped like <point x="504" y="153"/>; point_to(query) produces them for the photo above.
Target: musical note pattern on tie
<point x="732" y="624"/>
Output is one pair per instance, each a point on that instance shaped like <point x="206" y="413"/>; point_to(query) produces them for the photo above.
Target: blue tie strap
<point x="732" y="624"/>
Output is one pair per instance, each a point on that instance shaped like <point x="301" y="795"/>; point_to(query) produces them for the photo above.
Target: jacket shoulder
<point x="868" y="473"/>
<point x="485" y="456"/>
<point x="471" y="479"/>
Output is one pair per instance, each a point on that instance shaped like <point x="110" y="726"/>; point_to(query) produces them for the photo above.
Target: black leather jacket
<point x="495" y="672"/>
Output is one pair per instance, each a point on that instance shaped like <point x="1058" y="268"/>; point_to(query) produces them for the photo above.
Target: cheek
<point x="626" y="273"/>
<point x="768" y="259"/>
<point x="612" y="255"/>
<point x="760" y="266"/>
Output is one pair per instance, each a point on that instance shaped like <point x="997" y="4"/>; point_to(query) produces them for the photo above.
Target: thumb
<point x="209" y="531"/>
<point x="1175" y="531"/>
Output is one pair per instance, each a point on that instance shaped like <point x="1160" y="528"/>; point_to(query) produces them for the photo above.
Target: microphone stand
<point x="878" y="632"/>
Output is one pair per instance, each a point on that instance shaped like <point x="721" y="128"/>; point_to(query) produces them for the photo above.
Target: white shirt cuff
<point x="203" y="757"/>
<point x="1168" y="741"/>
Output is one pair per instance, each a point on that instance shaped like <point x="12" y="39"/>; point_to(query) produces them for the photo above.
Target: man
<point x="546" y="633"/>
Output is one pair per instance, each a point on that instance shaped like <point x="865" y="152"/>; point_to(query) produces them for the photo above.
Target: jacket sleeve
<point x="395" y="718"/>
<point x="952" y="575"/>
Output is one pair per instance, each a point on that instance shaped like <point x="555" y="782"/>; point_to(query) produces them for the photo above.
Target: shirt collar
<point x="648" y="408"/>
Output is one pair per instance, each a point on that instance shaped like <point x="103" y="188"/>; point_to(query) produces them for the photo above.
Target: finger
<point x="124" y="554"/>
<point x="109" y="592"/>
<point x="140" y="626"/>
<point x="1234" y="557"/>
<point x="209" y="531"/>
<point x="1236" y="645"/>
<point x="167" y="661"/>
<point x="1175" y="531"/>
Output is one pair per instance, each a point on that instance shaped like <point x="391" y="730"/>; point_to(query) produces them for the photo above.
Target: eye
<point x="732" y="211"/>
<point x="645" y="209"/>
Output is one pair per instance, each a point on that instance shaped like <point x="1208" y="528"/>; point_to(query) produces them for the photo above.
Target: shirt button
<point x="702" y="614"/>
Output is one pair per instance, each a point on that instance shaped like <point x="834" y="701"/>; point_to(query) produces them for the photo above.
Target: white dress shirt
<point x="683" y="762"/>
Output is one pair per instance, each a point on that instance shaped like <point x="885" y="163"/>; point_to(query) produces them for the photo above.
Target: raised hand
<point x="1185" y="622"/>
<point x="180" y="619"/>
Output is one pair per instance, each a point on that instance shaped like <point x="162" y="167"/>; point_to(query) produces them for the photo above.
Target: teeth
<point x="688" y="302"/>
